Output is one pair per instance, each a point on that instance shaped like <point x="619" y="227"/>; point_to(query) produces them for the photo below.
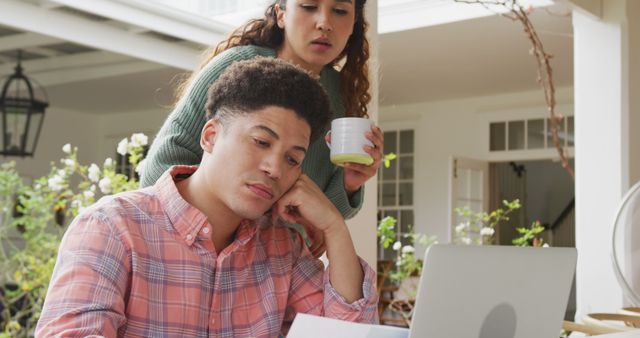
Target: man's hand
<point x="306" y="204"/>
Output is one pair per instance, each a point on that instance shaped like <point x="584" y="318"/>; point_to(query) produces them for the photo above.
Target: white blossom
<point x="123" y="146"/>
<point x="141" y="166"/>
<point x="487" y="231"/>
<point x="545" y="245"/>
<point x="466" y="240"/>
<point x="460" y="227"/>
<point x="62" y="173"/>
<point x="105" y="185"/>
<point x="408" y="249"/>
<point x="93" y="188"/>
<point x="88" y="194"/>
<point x="66" y="148"/>
<point x="139" y="140"/>
<point x="108" y="162"/>
<point x="76" y="204"/>
<point x="55" y="183"/>
<point x="69" y="162"/>
<point x="397" y="245"/>
<point x="94" y="173"/>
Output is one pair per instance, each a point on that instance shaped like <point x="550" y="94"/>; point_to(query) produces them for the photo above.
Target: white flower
<point x="108" y="162"/>
<point x="94" y="172"/>
<point x="62" y="173"/>
<point x="139" y="140"/>
<point x="486" y="231"/>
<point x="466" y="240"/>
<point x="55" y="183"/>
<point x="460" y="227"/>
<point x="123" y="145"/>
<point x="88" y="194"/>
<point x="66" y="148"/>
<point x="69" y="162"/>
<point x="76" y="204"/>
<point x="140" y="167"/>
<point x="545" y="245"/>
<point x="105" y="185"/>
<point x="397" y="245"/>
<point x="92" y="188"/>
<point x="408" y="249"/>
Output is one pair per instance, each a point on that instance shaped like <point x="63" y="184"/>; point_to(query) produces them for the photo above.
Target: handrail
<point x="563" y="215"/>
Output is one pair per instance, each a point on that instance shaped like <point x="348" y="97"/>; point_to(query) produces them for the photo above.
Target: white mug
<point x="347" y="140"/>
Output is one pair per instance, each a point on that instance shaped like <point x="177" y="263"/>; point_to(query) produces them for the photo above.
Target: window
<point x="395" y="186"/>
<point x="528" y="134"/>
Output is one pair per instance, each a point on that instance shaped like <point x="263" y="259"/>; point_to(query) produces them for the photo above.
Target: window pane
<point x="390" y="142"/>
<point x="475" y="184"/>
<point x="570" y="133"/>
<point x="406" y="193"/>
<point x="36" y="119"/>
<point x="516" y="135"/>
<point x="394" y="214"/>
<point x="497" y="136"/>
<point x="388" y="194"/>
<point x="535" y="134"/>
<point x="406" y="142"/>
<point x="391" y="172"/>
<point x="407" y="221"/>
<point x="550" y="143"/>
<point x="406" y="167"/>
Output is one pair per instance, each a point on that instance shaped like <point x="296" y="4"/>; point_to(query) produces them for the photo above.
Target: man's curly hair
<point x="250" y="85"/>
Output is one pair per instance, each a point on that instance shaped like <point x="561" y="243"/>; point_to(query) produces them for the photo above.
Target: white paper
<point x="309" y="326"/>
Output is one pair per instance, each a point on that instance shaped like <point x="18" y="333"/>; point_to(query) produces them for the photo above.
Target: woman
<point x="314" y="34"/>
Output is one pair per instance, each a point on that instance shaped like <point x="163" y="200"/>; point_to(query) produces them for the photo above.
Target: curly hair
<point x="354" y="75"/>
<point x="250" y="85"/>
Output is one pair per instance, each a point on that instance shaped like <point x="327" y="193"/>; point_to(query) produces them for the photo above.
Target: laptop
<point x="474" y="292"/>
<point x="493" y="292"/>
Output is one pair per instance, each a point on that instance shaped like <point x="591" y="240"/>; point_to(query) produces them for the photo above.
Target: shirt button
<point x="205" y="230"/>
<point x="189" y="237"/>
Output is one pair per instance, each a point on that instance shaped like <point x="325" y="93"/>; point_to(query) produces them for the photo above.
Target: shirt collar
<point x="186" y="219"/>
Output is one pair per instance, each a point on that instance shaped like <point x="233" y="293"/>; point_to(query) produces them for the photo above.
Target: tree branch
<point x="543" y="62"/>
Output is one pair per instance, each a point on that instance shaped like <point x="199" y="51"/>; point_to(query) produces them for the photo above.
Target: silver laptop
<point x="493" y="292"/>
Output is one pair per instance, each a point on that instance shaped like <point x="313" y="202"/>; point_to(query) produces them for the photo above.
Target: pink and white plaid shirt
<point x="142" y="264"/>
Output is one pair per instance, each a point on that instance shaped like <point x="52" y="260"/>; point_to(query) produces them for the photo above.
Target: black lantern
<point x="22" y="115"/>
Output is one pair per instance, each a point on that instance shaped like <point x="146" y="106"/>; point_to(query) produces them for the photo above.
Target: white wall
<point x="606" y="101"/>
<point x="458" y="128"/>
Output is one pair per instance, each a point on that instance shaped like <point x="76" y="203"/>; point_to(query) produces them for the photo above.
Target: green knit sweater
<point x="178" y="141"/>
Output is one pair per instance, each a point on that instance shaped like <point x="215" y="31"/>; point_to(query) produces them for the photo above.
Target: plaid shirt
<point x="142" y="264"/>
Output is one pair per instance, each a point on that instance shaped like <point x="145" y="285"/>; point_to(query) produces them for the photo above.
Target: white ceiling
<point x="476" y="57"/>
<point x="489" y="55"/>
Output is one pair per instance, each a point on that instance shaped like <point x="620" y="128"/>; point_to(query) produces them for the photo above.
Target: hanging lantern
<point x="22" y="115"/>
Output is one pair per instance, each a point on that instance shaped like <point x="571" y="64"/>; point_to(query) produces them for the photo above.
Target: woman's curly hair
<point x="354" y="74"/>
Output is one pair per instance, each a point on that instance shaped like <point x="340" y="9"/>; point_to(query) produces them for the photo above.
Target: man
<point x="204" y="252"/>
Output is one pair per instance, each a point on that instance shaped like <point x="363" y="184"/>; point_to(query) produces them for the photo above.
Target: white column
<point x="363" y="226"/>
<point x="602" y="157"/>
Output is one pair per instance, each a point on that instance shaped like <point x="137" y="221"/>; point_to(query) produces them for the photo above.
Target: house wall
<point x="460" y="128"/>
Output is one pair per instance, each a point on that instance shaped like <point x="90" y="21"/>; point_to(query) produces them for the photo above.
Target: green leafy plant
<point x="33" y="218"/>
<point x="479" y="227"/>
<point x="406" y="264"/>
<point x="529" y="236"/>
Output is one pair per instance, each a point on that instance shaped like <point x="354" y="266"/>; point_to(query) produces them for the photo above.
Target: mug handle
<point x="325" y="141"/>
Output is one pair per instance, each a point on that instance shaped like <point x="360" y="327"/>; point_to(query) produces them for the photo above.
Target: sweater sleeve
<point x="178" y="141"/>
<point x="348" y="207"/>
